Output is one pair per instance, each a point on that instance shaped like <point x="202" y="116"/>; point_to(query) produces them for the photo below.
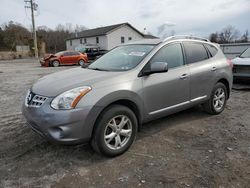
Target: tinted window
<point x="172" y="54"/>
<point x="195" y="52"/>
<point x="74" y="53"/>
<point x="213" y="51"/>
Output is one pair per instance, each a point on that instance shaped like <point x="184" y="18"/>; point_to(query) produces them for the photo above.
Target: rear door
<point x="202" y="70"/>
<point x="163" y="92"/>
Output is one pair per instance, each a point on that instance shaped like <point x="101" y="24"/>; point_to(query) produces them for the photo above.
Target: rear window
<point x="195" y="52"/>
<point x="213" y="51"/>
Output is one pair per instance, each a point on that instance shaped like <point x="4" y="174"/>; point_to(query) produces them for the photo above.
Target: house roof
<point x="149" y="36"/>
<point x="102" y="31"/>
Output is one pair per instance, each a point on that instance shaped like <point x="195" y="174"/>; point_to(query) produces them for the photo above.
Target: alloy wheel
<point x="219" y="99"/>
<point x="118" y="132"/>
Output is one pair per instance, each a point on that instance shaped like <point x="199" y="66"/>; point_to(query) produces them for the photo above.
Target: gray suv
<point x="107" y="102"/>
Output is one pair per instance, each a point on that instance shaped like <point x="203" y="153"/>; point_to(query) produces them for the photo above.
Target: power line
<point x="33" y="7"/>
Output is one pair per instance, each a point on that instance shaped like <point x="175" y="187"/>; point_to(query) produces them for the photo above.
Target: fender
<point x="112" y="98"/>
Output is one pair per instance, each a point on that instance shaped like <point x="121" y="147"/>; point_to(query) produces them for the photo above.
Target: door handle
<point x="184" y="76"/>
<point x="213" y="69"/>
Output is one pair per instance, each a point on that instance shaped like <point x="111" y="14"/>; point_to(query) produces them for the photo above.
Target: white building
<point x="106" y="37"/>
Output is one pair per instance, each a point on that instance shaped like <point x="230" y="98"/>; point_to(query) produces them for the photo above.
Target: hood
<point x="56" y="83"/>
<point x="48" y="56"/>
<point x="241" y="61"/>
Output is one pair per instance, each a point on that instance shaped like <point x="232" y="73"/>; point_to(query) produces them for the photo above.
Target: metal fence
<point x="234" y="49"/>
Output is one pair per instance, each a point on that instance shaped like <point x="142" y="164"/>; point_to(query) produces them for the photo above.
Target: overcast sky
<point x="197" y="17"/>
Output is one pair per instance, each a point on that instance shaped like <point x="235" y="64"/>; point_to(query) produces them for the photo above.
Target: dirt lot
<point x="188" y="149"/>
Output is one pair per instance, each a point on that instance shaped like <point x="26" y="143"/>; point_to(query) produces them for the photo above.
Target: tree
<point x="244" y="37"/>
<point x="14" y="34"/>
<point x="228" y="34"/>
<point x="55" y="39"/>
<point x="2" y="44"/>
<point x="214" y="37"/>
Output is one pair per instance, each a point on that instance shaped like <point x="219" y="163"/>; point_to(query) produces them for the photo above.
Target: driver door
<point x="168" y="91"/>
<point x="65" y="59"/>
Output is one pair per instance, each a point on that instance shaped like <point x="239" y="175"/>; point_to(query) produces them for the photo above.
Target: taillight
<point x="229" y="61"/>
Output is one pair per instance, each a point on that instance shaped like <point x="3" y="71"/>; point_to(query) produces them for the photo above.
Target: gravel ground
<point x="188" y="149"/>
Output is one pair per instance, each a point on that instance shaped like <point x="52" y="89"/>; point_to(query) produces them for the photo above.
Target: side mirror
<point x="156" y="67"/>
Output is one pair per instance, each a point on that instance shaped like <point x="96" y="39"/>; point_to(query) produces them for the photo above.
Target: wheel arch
<point x="51" y="61"/>
<point x="132" y="105"/>
<point x="226" y="83"/>
<point x="81" y="59"/>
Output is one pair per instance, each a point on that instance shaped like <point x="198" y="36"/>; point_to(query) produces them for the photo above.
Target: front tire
<point x="55" y="63"/>
<point x="115" y="131"/>
<point x="218" y="99"/>
<point x="81" y="62"/>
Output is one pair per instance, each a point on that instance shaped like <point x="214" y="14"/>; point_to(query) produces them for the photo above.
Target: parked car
<point x="107" y="102"/>
<point x="64" y="58"/>
<point x="93" y="52"/>
<point x="241" y="69"/>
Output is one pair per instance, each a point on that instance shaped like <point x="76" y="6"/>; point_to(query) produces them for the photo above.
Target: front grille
<point x="241" y="69"/>
<point x="33" y="100"/>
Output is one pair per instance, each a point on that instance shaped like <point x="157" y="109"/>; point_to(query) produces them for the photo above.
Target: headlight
<point x="69" y="99"/>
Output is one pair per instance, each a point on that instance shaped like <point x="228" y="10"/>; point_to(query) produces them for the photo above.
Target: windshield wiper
<point x="98" y="69"/>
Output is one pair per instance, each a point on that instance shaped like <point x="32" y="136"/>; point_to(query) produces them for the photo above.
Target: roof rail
<point x="185" y="37"/>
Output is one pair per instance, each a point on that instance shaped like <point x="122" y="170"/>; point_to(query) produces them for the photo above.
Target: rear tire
<point x="218" y="99"/>
<point x="55" y="63"/>
<point x="115" y="131"/>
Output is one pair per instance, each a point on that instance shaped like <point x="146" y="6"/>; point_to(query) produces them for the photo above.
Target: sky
<point x="159" y="17"/>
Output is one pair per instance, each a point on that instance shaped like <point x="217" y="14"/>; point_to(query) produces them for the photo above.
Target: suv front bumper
<point x="60" y="126"/>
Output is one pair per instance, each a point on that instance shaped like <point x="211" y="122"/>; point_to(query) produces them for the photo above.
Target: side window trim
<point x="184" y="54"/>
<point x="208" y="52"/>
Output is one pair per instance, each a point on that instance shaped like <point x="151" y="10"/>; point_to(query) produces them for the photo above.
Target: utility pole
<point x="33" y="6"/>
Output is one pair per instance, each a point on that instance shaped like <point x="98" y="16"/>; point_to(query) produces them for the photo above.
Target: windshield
<point x="246" y="54"/>
<point x="122" y="58"/>
<point x="59" y="53"/>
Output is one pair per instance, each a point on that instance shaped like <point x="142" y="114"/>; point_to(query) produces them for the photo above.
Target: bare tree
<point x="15" y="34"/>
<point x="12" y="34"/>
<point x="244" y="37"/>
<point x="214" y="37"/>
<point x="228" y="34"/>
